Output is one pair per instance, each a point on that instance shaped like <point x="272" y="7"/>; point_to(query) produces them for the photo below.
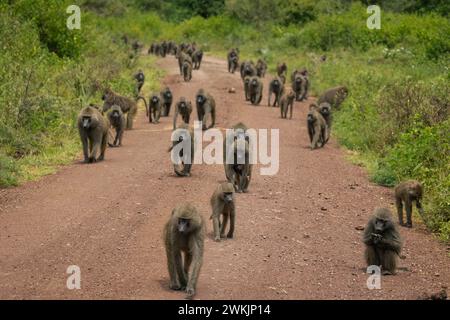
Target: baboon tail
<point x="145" y="103"/>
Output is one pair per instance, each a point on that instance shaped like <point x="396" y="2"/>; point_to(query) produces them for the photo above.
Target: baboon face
<point x="155" y="99"/>
<point x="115" y="114"/>
<point x="201" y="99"/>
<point x="382" y="222"/>
<point x="183" y="105"/>
<point x="291" y="95"/>
<point x="184" y="226"/>
<point x="228" y="197"/>
<point x="86" y="121"/>
<point x="167" y="93"/>
<point x="325" y="109"/>
<point x="298" y="79"/>
<point x="254" y="83"/>
<point x="311" y="118"/>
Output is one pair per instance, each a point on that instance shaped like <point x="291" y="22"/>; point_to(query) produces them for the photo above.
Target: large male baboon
<point x="276" y="87"/>
<point x="206" y="105"/>
<point x="127" y="105"/>
<point x="261" y="68"/>
<point x="255" y="90"/>
<point x="197" y="58"/>
<point x="93" y="129"/>
<point x="383" y="241"/>
<point x="405" y="193"/>
<point x="184" y="108"/>
<point x="166" y="99"/>
<point x="118" y="122"/>
<point x="334" y="96"/>
<point x="183" y="167"/>
<point x="222" y="203"/>
<point x="187" y="71"/>
<point x="287" y="102"/>
<point x="233" y="60"/>
<point x="238" y="169"/>
<point x="281" y="68"/>
<point x="248" y="69"/>
<point x="184" y="233"/>
<point x="300" y="86"/>
<point x="317" y="127"/>
<point x="154" y="108"/>
<point x="140" y="79"/>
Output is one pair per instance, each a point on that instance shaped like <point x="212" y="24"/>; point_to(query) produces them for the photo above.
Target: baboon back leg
<point x="389" y="262"/>
<point x="187" y="262"/>
<point x="371" y="256"/>
<point x="232" y="221"/>
<point x="85" y="143"/>
<point x="224" y="225"/>
<point x="216" y="226"/>
<point x="408" y="207"/>
<point x="103" y="146"/>
<point x="182" y="277"/>
<point x="174" y="284"/>
<point x="399" y="205"/>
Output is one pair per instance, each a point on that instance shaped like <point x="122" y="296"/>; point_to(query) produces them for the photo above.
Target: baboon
<point x="281" y="68"/>
<point x="154" y="108"/>
<point x="93" y="129"/>
<point x="183" y="107"/>
<point x="183" y="169"/>
<point x="317" y="127"/>
<point x="197" y="58"/>
<point x="183" y="57"/>
<point x="222" y="203"/>
<point x="206" y="105"/>
<point x="184" y="233"/>
<point x="140" y="79"/>
<point x="136" y="45"/>
<point x="276" y="86"/>
<point x="334" y="96"/>
<point x="405" y="193"/>
<point x="383" y="241"/>
<point x="166" y="99"/>
<point x="239" y="172"/>
<point x="118" y="122"/>
<point x="151" y="50"/>
<point x="247" y="69"/>
<point x="255" y="89"/>
<point x="127" y="105"/>
<point x="300" y="85"/>
<point x="325" y="110"/>
<point x="261" y="68"/>
<point x="283" y="78"/>
<point x="187" y="71"/>
<point x="157" y="49"/>
<point x="302" y="72"/>
<point x="287" y="102"/>
<point x="163" y="49"/>
<point x="233" y="60"/>
<point x="246" y="88"/>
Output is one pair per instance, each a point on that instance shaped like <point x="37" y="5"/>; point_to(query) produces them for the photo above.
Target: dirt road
<point x="295" y="236"/>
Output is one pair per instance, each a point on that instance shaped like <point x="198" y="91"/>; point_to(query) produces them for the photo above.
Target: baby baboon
<point x="206" y="105"/>
<point x="325" y="110"/>
<point x="140" y="79"/>
<point x="300" y="85"/>
<point x="261" y="68"/>
<point x="281" y="68"/>
<point x="222" y="203"/>
<point x="317" y="127"/>
<point x="239" y="171"/>
<point x="127" y="105"/>
<point x="255" y="89"/>
<point x="93" y="129"/>
<point x="197" y="58"/>
<point x="407" y="192"/>
<point x="287" y="102"/>
<point x="183" y="107"/>
<point x="248" y="69"/>
<point x="184" y="168"/>
<point x="187" y="71"/>
<point x="334" y="96"/>
<point x="166" y="99"/>
<point x="118" y="122"/>
<point x="154" y="108"/>
<point x="246" y="88"/>
<point x="276" y="86"/>
<point x="233" y="60"/>
<point x="184" y="233"/>
<point x="383" y="241"/>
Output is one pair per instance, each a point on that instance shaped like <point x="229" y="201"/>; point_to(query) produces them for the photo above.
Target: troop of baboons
<point x="185" y="231"/>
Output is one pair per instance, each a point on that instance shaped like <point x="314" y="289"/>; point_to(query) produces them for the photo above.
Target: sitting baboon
<point x="187" y="71"/>
<point x="206" y="105"/>
<point x="261" y="68"/>
<point x="182" y="58"/>
<point x="184" y="162"/>
<point x="197" y="58"/>
<point x="233" y="60"/>
<point x="300" y="85"/>
<point x="93" y="129"/>
<point x="276" y="87"/>
<point x="154" y="108"/>
<point x="287" y="102"/>
<point x="248" y="69"/>
<point x="118" y="122"/>
<point x="281" y="68"/>
<point x="184" y="233"/>
<point x="140" y="79"/>
<point x="334" y="96"/>
<point x="183" y="107"/>
<point x="127" y="105"/>
<point x="405" y="193"/>
<point x="383" y="241"/>
<point x="222" y="203"/>
<point x="238" y="169"/>
<point x="255" y="89"/>
<point x="317" y="127"/>
<point x="166" y="99"/>
<point x="325" y="110"/>
<point x="246" y="88"/>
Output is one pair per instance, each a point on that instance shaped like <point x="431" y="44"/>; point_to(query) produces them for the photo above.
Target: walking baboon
<point x="261" y="68"/>
<point x="163" y="49"/>
<point x="206" y="105"/>
<point x="246" y="88"/>
<point x="405" y="193"/>
<point x="118" y="122"/>
<point x="317" y="127"/>
<point x="334" y="96"/>
<point x="248" y="69"/>
<point x="182" y="58"/>
<point x="281" y="68"/>
<point x="93" y="129"/>
<point x="238" y="169"/>
<point x="184" y="161"/>
<point x="184" y="233"/>
<point x="276" y="87"/>
<point x="325" y="110"/>
<point x="222" y="203"/>
<point x="166" y="99"/>
<point x="197" y="58"/>
<point x="140" y="79"/>
<point x="255" y="89"/>
<point x="127" y="105"/>
<point x="183" y="107"/>
<point x="383" y="241"/>
<point x="300" y="85"/>
<point x="187" y="71"/>
<point x="154" y="108"/>
<point x="287" y="102"/>
<point x="233" y="60"/>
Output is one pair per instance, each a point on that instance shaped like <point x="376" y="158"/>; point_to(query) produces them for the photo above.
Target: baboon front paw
<point x="217" y="239"/>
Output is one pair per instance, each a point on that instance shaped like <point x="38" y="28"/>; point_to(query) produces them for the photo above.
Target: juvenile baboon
<point x="255" y="89"/>
<point x="233" y="60"/>
<point x="222" y="203"/>
<point x="183" y="169"/>
<point x="317" y="127"/>
<point x="334" y="96"/>
<point x="383" y="241"/>
<point x="154" y="108"/>
<point x="140" y="79"/>
<point x="184" y="233"/>
<point x="248" y="69"/>
<point x="261" y="68"/>
<point x="187" y="71"/>
<point x="300" y="85"/>
<point x="287" y="102"/>
<point x="118" y="122"/>
<point x="246" y="88"/>
<point x="93" y="129"/>
<point x="405" y="193"/>
<point x="276" y="87"/>
<point x="127" y="105"/>
<point x="281" y="68"/>
<point x="325" y="110"/>
<point x="166" y="99"/>
<point x="197" y="58"/>
<point x="239" y="171"/>
<point x="206" y="105"/>
<point x="183" y="107"/>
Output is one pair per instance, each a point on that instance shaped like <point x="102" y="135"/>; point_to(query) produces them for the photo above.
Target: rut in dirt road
<point x="295" y="234"/>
